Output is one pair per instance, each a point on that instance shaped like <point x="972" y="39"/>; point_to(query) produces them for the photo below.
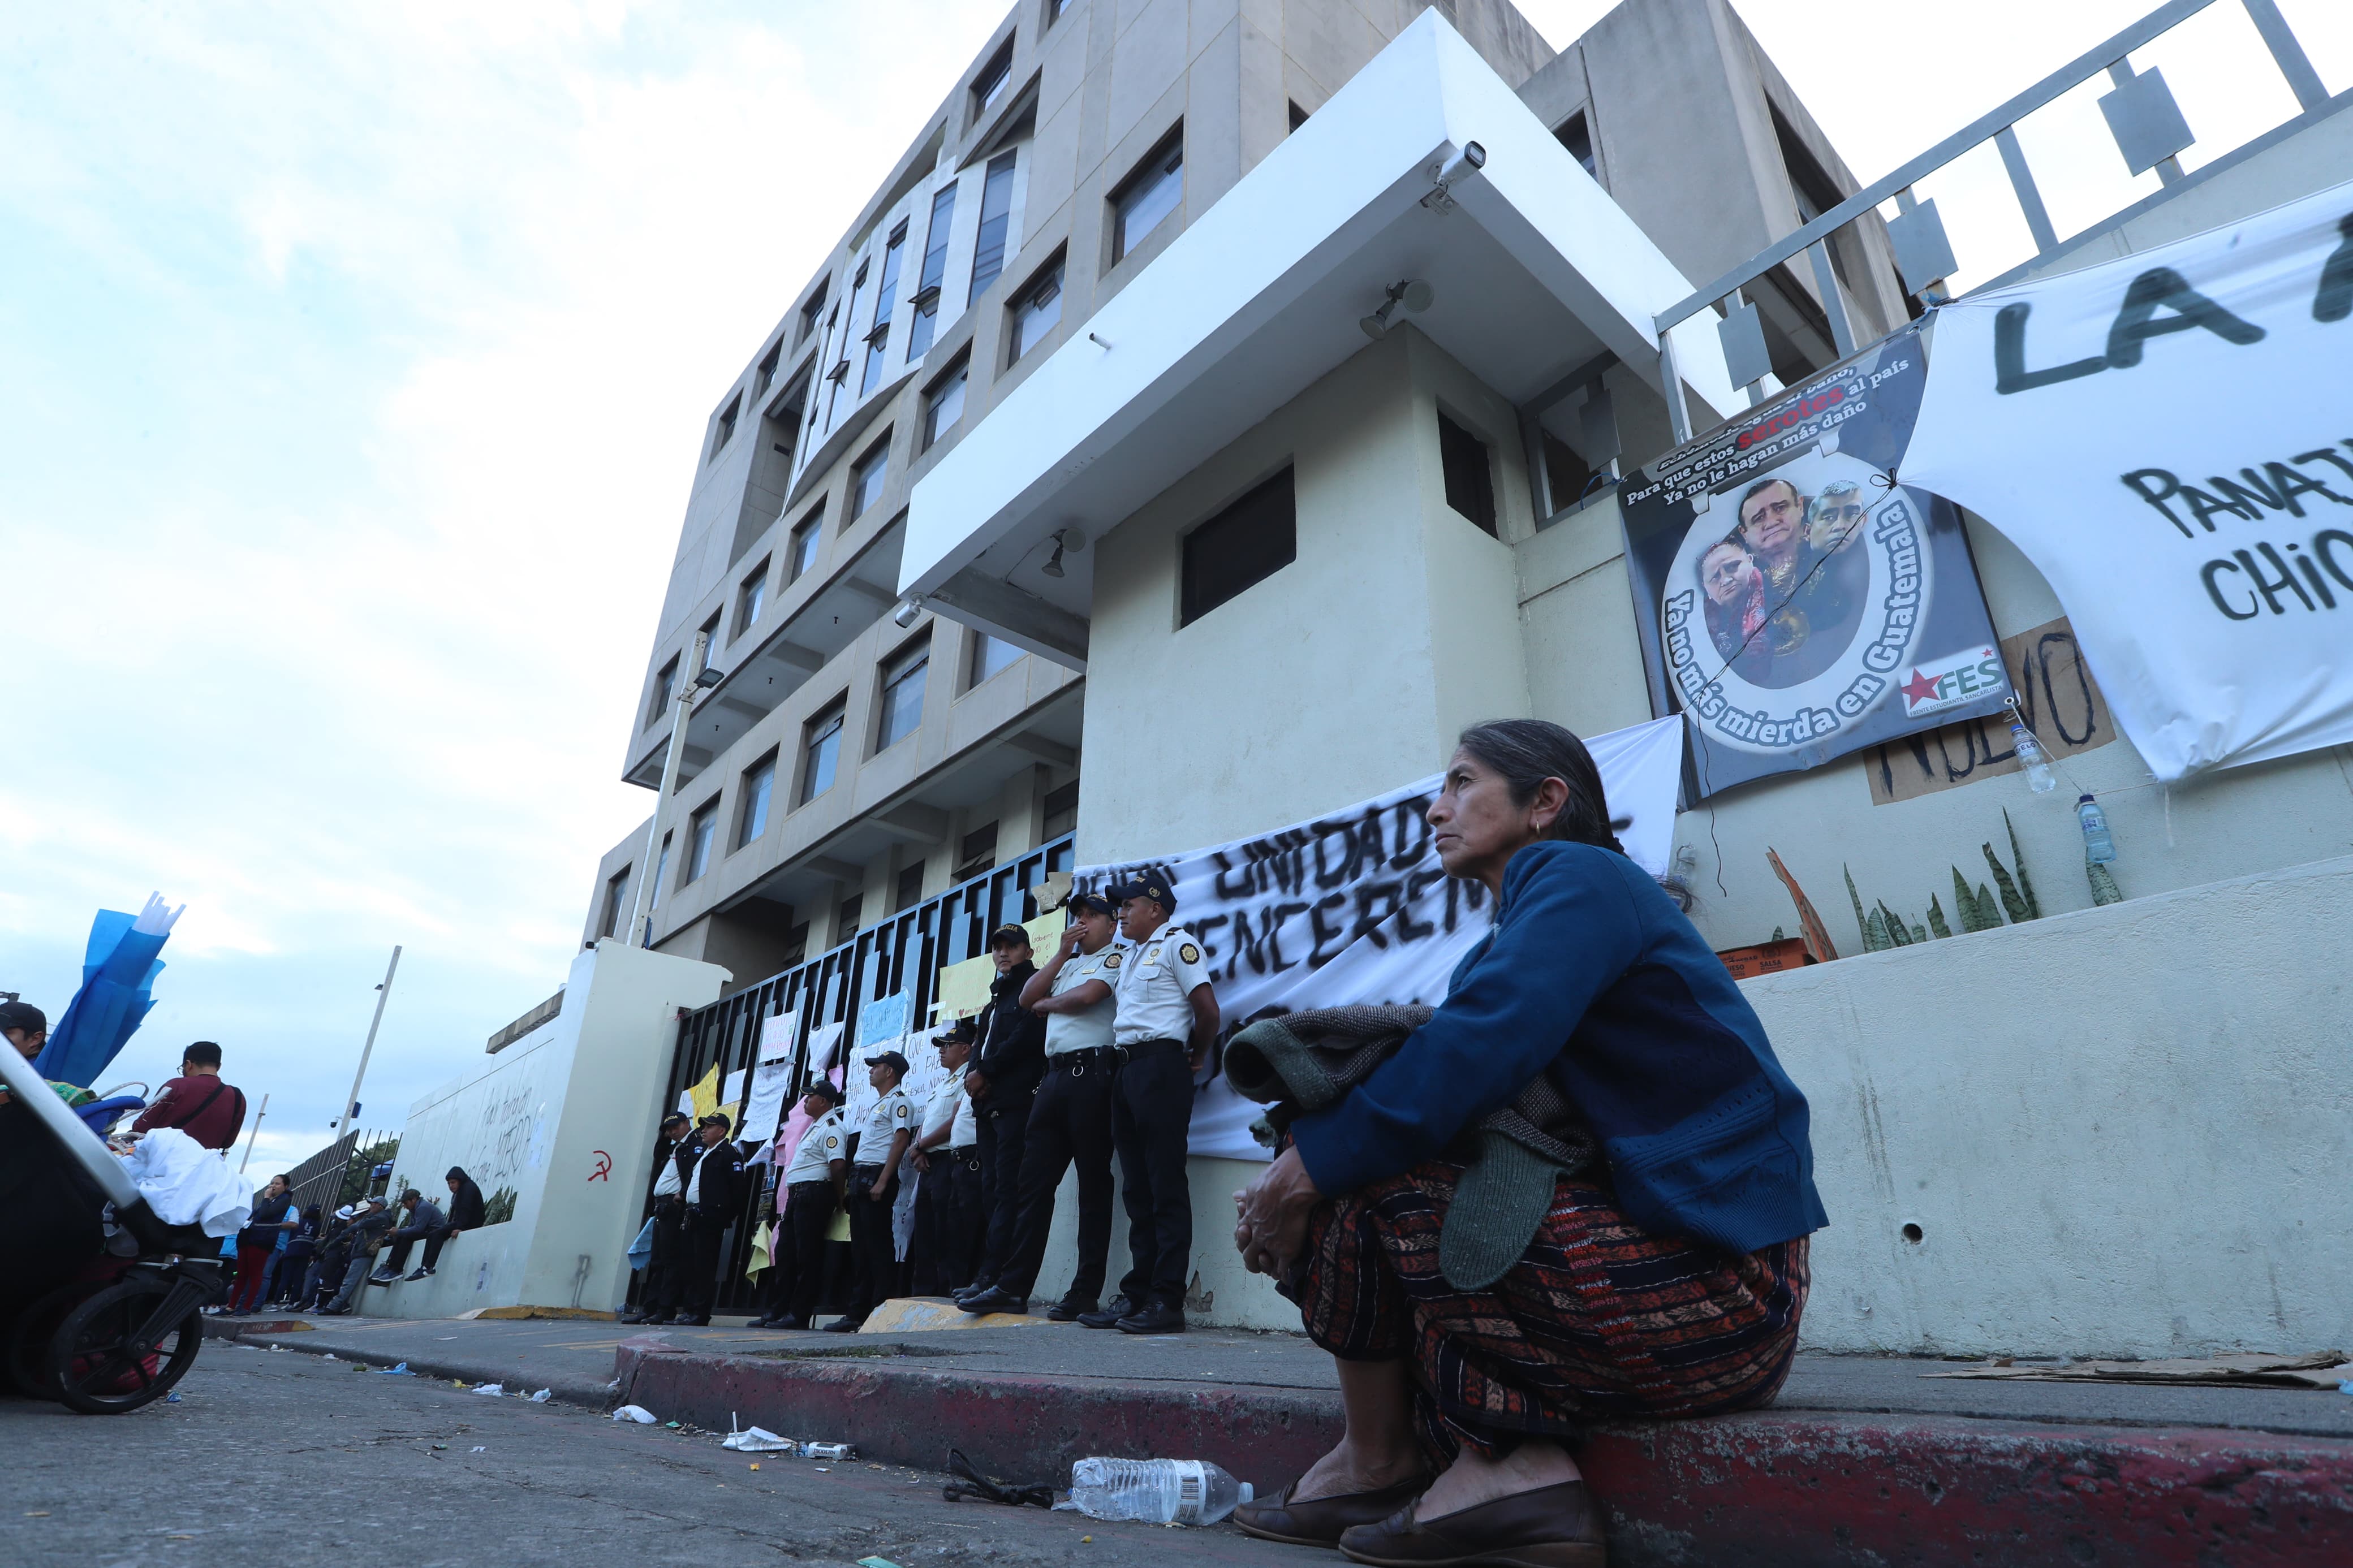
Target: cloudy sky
<point x="357" y="360"/>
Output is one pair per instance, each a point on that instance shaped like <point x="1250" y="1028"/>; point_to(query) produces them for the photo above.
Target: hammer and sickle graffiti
<point x="604" y="1170"/>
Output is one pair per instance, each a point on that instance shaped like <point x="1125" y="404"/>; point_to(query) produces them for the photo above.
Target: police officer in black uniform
<point x="1003" y="1082"/>
<point x="674" y="1159"/>
<point x="715" y="1201"/>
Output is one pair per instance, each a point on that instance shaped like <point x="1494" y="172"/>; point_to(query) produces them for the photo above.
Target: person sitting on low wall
<point x="1580" y="1192"/>
<point x="424" y="1223"/>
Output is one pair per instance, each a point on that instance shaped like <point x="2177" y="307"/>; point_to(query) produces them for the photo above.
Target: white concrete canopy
<point x="1535" y="272"/>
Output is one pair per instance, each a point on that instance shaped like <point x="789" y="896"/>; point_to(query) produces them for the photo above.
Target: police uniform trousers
<point x="800" y="1262"/>
<point x="875" y="1254"/>
<point x="1069" y="1124"/>
<point x="1004" y="1123"/>
<point x="706" y="1231"/>
<point x="948" y="1222"/>
<point x="1151" y="1115"/>
<point x="666" y="1270"/>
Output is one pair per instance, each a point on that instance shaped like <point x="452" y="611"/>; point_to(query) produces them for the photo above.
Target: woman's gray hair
<point x="1526" y="752"/>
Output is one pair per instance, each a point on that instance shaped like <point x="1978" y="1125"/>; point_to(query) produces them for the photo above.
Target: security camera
<point x="908" y="608"/>
<point x="1447" y="175"/>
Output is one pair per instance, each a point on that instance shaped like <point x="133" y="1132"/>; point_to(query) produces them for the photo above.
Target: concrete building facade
<point x="1266" y="527"/>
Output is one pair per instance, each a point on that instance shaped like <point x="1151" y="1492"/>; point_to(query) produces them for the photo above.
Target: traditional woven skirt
<point x="1599" y="1320"/>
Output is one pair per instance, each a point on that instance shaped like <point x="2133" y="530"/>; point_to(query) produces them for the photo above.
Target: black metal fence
<point x="325" y="1178"/>
<point x="903" y="953"/>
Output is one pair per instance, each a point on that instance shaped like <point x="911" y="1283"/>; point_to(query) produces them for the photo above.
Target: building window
<point x="724" y="427"/>
<point x="821" y="751"/>
<point x="866" y="479"/>
<point x="902" y="696"/>
<point x="812" y="308"/>
<point x="1056" y="10"/>
<point x="845" y="917"/>
<point x="989" y="656"/>
<point x="765" y="376"/>
<point x="995" y="216"/>
<point x="1149" y="194"/>
<point x="995" y="76"/>
<point x="926" y="298"/>
<point x="886" y="300"/>
<point x="1061" y="810"/>
<point x="751" y="598"/>
<point x="665" y="688"/>
<point x="1246" y="543"/>
<point x="977" y="854"/>
<point x="802" y="551"/>
<point x="1470" y="473"/>
<point x="796" y="945"/>
<point x="759" y="785"/>
<point x="944" y="400"/>
<point x="1577" y="134"/>
<point x="654" y="888"/>
<point x="910" y="890"/>
<point x="701" y="830"/>
<point x="1298" y="115"/>
<point x="1036" y="309"/>
<point x="710" y="641"/>
<point x="616" y="891"/>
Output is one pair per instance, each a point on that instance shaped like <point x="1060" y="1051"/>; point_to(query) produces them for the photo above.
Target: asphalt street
<point x="273" y="1457"/>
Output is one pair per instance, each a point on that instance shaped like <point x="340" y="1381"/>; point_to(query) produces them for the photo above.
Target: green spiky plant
<point x="1936" y="924"/>
<point x="1873" y="926"/>
<point x="1978" y="910"/>
<point x="2104" y="883"/>
<point x="2018" y="859"/>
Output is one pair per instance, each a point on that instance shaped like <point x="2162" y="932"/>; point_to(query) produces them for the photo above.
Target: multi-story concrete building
<point x="847" y="765"/>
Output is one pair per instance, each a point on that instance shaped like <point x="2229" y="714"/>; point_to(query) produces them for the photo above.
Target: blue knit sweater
<point x="1594" y="978"/>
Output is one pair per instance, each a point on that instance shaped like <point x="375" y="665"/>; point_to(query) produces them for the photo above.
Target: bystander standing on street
<point x="291" y="1266"/>
<point x="1072" y="1122"/>
<point x="883" y="1134"/>
<point x="273" y="1215"/>
<point x="1003" y="1083"/>
<point x="199" y="1102"/>
<point x="715" y="1201"/>
<point x="1168" y="1020"/>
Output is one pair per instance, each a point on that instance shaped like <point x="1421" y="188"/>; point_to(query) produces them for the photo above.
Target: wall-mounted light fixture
<point x="1414" y="294"/>
<point x="1070" y="539"/>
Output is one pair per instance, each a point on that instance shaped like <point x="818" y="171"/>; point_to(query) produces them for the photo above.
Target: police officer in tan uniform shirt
<point x="1168" y="1020"/>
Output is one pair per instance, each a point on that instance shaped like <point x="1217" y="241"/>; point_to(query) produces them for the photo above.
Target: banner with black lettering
<point x="1793" y="599"/>
<point x="1354" y="908"/>
<point x="2169" y="437"/>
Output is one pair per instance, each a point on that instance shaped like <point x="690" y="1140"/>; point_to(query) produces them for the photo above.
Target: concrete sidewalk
<point x="1862" y="1459"/>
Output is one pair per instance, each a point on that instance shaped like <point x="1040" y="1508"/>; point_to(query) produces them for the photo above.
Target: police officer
<point x="1071" y="1119"/>
<point x="883" y="1134"/>
<point x="1003" y="1082"/>
<point x="1166" y="1022"/>
<point x="812" y="1182"/>
<point x="715" y="1201"/>
<point x="948" y="1243"/>
<point x="665" y="1271"/>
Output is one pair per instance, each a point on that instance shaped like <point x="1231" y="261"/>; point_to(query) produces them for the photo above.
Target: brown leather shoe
<point x="1551" y="1527"/>
<point x="1320" y="1523"/>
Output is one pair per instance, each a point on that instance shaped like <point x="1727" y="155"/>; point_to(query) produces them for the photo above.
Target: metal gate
<point x="903" y="953"/>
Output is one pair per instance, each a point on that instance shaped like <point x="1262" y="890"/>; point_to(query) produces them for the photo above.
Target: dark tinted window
<point x="1470" y="478"/>
<point x="1250" y="540"/>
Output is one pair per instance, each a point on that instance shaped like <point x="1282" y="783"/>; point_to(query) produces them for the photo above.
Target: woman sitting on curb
<point x="1658" y="1269"/>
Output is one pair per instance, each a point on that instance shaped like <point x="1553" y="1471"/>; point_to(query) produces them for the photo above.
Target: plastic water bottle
<point x="2039" y="776"/>
<point x="2100" y="848"/>
<point x="1158" y="1491"/>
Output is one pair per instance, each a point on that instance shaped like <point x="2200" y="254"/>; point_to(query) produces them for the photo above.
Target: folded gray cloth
<point x="1303" y="1062"/>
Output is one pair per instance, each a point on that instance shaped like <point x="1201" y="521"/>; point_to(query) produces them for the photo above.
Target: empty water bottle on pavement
<point x="1158" y="1491"/>
<point x="2098" y="846"/>
<point x="2039" y="776"/>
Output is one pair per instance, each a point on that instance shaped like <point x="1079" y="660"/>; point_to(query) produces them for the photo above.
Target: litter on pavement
<point x="541" y="1397"/>
<point x="758" y="1440"/>
<point x="399" y="1370"/>
<point x="492" y="1389"/>
<point x="637" y="1413"/>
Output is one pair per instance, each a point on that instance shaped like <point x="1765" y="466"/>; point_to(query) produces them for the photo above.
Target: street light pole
<point x="642" y="912"/>
<point x="383" y="994"/>
<point x="253" y="1137"/>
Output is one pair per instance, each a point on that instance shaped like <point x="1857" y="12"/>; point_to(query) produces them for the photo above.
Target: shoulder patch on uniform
<point x="1189" y="954"/>
<point x="1115" y="961"/>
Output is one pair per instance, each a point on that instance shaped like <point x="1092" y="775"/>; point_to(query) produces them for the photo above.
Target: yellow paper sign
<point x="963" y="988"/>
<point x="1046" y="931"/>
<point x="706" y="1094"/>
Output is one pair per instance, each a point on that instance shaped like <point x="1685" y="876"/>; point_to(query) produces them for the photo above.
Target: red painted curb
<point x="1761" y="1490"/>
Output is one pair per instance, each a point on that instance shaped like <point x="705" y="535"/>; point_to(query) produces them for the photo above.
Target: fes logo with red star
<point x="1919" y="689"/>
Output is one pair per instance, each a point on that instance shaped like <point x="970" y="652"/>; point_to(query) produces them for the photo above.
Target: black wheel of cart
<point x="129" y="1343"/>
<point x="29" y="1369"/>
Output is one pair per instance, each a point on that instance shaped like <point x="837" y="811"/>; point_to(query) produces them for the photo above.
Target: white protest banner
<point x="1355" y="907"/>
<point x="770" y="1083"/>
<point x="2169" y="439"/>
<point x="777" y="1036"/>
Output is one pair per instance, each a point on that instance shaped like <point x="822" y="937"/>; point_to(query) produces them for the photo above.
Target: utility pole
<point x="642" y="912"/>
<point x="254" y="1136"/>
<point x="383" y="994"/>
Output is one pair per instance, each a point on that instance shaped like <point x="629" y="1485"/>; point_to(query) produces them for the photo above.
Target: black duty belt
<point x="823" y="1181"/>
<point x="1148" y="1048"/>
<point x="866" y="1172"/>
<point x="1078" y="1064"/>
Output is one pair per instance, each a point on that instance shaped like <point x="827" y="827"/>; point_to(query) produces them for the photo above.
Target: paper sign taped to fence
<point x="777" y="1036"/>
<point x="964" y="988"/>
